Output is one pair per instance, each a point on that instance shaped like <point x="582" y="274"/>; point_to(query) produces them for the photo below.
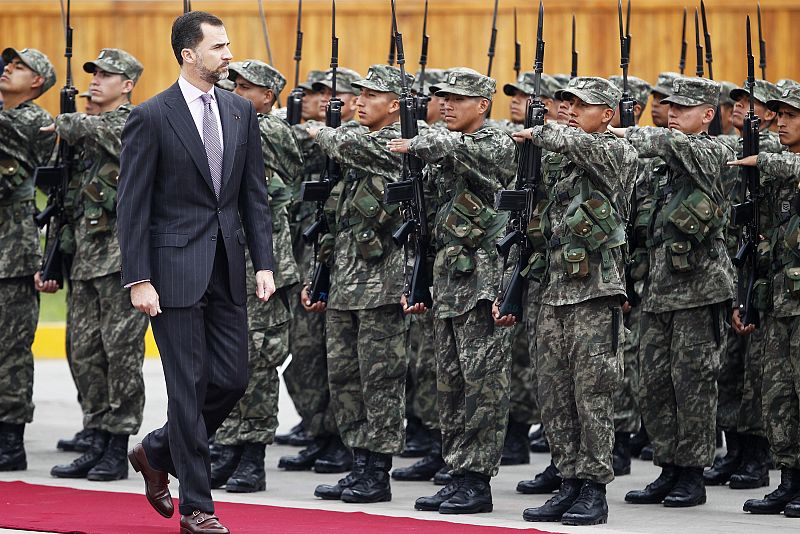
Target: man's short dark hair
<point x="187" y="31"/>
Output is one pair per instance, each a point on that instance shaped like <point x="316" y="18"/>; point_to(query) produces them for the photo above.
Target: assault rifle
<point x="521" y="201"/>
<point x="627" y="103"/>
<point x="319" y="191"/>
<point x="422" y="97"/>
<point x="409" y="191"/>
<point x="746" y="215"/>
<point x="294" y="104"/>
<point x="715" y="128"/>
<point x="55" y="180"/>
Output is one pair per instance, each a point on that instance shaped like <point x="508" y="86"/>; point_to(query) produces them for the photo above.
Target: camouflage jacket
<point x="95" y="204"/>
<point x="464" y="173"/>
<point x="367" y="267"/>
<point x="23" y="147"/>
<point x="505" y="125"/>
<point x="779" y="176"/>
<point x="581" y="165"/>
<point x="688" y="263"/>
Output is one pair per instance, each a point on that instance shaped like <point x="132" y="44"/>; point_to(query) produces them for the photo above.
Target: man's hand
<point x="265" y="285"/>
<point x="50" y="286"/>
<point x="144" y="298"/>
<point x="505" y="320"/>
<point x="399" y="145"/>
<point x="305" y="300"/>
<point x="416" y="309"/>
<point x="48" y="129"/>
<point x="749" y="161"/>
<point x="313" y="131"/>
<point x="619" y="132"/>
<point x="522" y="135"/>
<point x="739" y="327"/>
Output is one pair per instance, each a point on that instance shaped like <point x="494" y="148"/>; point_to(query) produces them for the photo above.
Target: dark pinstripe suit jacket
<point x="168" y="214"/>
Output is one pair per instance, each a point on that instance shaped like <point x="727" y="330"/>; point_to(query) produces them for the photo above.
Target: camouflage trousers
<point x="627" y="416"/>
<point x="255" y="417"/>
<point x="367" y="369"/>
<point x="523" y="407"/>
<point x="107" y="352"/>
<point x="680" y="357"/>
<point x="782" y="390"/>
<point x="579" y="369"/>
<point x="740" y="383"/>
<point x="473" y="360"/>
<point x="421" y="396"/>
<point x="19" y="315"/>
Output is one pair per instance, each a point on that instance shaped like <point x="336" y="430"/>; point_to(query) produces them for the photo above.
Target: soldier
<point x="659" y="111"/>
<point x="27" y="75"/>
<point x="589" y="176"/>
<point x="465" y="169"/>
<point x="346" y="92"/>
<point x="627" y="416"/>
<point x="107" y="333"/>
<point x="251" y="425"/>
<point x="365" y="327"/>
<point x="688" y="284"/>
<point x="432" y="77"/>
<point x="740" y="377"/>
<point x="779" y="174"/>
<point x="726" y="104"/>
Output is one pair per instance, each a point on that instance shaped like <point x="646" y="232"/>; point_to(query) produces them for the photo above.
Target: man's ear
<point x="483" y="105"/>
<point x="769" y="115"/>
<point x="38" y="81"/>
<point x="127" y="86"/>
<point x="269" y="97"/>
<point x="637" y="110"/>
<point x="394" y="106"/>
<point x="608" y="114"/>
<point x="708" y="114"/>
<point x="188" y="55"/>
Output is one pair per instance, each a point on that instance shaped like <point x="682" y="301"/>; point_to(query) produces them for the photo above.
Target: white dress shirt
<point x="192" y="95"/>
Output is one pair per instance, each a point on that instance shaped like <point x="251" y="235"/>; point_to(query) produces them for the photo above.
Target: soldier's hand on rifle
<point x="50" y="286"/>
<point x="740" y="327"/>
<point x="399" y="145"/>
<point x="305" y="300"/>
<point x="626" y="307"/>
<point x="144" y="298"/>
<point x="619" y="132"/>
<point x="312" y="131"/>
<point x="505" y="320"/>
<point x="48" y="129"/>
<point x="749" y="161"/>
<point x="416" y="309"/>
<point x="522" y="135"/>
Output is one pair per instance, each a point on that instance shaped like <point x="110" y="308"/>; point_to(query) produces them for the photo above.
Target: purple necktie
<point x="212" y="143"/>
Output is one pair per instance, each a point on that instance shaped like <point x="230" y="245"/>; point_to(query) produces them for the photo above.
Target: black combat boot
<point x="223" y="468"/>
<point x="336" y="458"/>
<point x="690" y="490"/>
<point x="656" y="491"/>
<point x="793" y="508"/>
<point x="724" y="466"/>
<point x="418" y="438"/>
<point x="373" y="485"/>
<point x="647" y="453"/>
<point x="473" y="496"/>
<point x="621" y="454"/>
<point x="249" y="475"/>
<point x="516" y="447"/>
<point x="775" y="502"/>
<point x="639" y="441"/>
<point x="545" y="482"/>
<point x="425" y="468"/>
<point x="307" y="457"/>
<point x="114" y="463"/>
<point x="539" y="443"/>
<point x="77" y="443"/>
<point x="557" y="505"/>
<point x="81" y="465"/>
<point x="334" y="492"/>
<point x="432" y="503"/>
<point x="590" y="508"/>
<point x="297" y="437"/>
<point x="753" y="471"/>
<point x="442" y="476"/>
<point x="12" y="447"/>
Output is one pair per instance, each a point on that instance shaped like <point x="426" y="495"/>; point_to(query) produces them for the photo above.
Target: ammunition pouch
<point x="639" y="264"/>
<point x="697" y="217"/>
<point x="374" y="216"/>
<point x="596" y="223"/>
<point x="762" y="294"/>
<point x="536" y="268"/>
<point x="576" y="262"/>
<point x="678" y="253"/>
<point x="100" y="197"/>
<point x="457" y="260"/>
<point x="538" y="229"/>
<point x="11" y="177"/>
<point x="368" y="244"/>
<point x="792" y="275"/>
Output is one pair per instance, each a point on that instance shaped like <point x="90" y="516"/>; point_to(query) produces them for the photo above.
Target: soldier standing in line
<point x="251" y="425"/>
<point x="689" y="285"/>
<point x="589" y="176"/>
<point x="465" y="168"/>
<point x="106" y="332"/>
<point x="23" y="146"/>
<point x="726" y="104"/>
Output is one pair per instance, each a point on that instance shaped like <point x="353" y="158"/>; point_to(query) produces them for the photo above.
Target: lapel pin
<point x="236" y="117"/>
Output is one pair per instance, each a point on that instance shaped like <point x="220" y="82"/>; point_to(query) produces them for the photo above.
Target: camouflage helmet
<point x="258" y="73"/>
<point x="663" y="85"/>
<point x="763" y="91"/>
<point x="344" y="79"/>
<point x="592" y="90"/>
<point x="115" y="61"/>
<point x="313" y="76"/>
<point x="790" y="96"/>
<point x="36" y="61"/>
<point x="432" y="77"/>
<point x="384" y="79"/>
<point x="694" y="92"/>
<point x="466" y="82"/>
<point x="638" y="88"/>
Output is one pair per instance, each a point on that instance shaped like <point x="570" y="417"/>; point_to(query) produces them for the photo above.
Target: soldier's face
<point x="377" y="109"/>
<point x="519" y="104"/>
<point x="434" y="110"/>
<point x="742" y="106"/>
<point x="311" y="107"/>
<point x="562" y="112"/>
<point x="107" y="88"/>
<point x="212" y="56"/>
<point x="18" y="78"/>
<point x="464" y="113"/>
<point x="261" y="97"/>
<point x="552" y="108"/>
<point x="690" y="119"/>
<point x="659" y="111"/>
<point x="789" y="127"/>
<point x="348" y="103"/>
<point x="590" y="118"/>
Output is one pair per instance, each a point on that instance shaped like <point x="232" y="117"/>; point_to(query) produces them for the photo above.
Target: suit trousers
<point x="203" y="351"/>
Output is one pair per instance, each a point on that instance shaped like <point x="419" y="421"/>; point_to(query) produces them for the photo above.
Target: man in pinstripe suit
<point x="192" y="186"/>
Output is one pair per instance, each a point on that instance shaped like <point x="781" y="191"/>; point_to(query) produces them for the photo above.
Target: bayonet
<point x="492" y="40"/>
<point x="422" y="97"/>
<point x="392" y="45"/>
<point x="699" y="72"/>
<point x="682" y="62"/>
<point x="762" y="48"/>
<point x="294" y="106"/>
<point x="707" y="40"/>
<point x="517" y="47"/>
<point x="573" y="73"/>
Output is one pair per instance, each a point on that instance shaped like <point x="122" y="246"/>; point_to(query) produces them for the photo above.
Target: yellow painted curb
<point x="50" y="342"/>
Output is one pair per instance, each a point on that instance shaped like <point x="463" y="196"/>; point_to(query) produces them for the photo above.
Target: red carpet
<point x="52" y="509"/>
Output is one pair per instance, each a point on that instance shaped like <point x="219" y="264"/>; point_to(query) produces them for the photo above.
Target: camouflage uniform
<point x="107" y="332"/>
<point x="688" y="284"/>
<point x="22" y="148"/>
<point x="255" y="417"/>
<point x="472" y="356"/>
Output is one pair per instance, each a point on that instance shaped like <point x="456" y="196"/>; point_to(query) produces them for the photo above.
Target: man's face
<point x="90" y="108"/>
<point x="590" y="118"/>
<point x="107" y="88"/>
<point x="690" y="119"/>
<point x="742" y="106"/>
<point x="212" y="55"/>
<point x="348" y="103"/>
<point x="311" y="108"/>
<point x="552" y="108"/>
<point x="260" y="96"/>
<point x="18" y="78"/>
<point x="789" y="127"/>
<point x="519" y="105"/>
<point x="375" y="109"/>
<point x="434" y="110"/>
<point x="464" y="113"/>
<point x="562" y="111"/>
<point x="659" y="111"/>
<point x="726" y="118"/>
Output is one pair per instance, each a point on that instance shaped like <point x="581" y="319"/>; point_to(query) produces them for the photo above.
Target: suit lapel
<point x="230" y="132"/>
<point x="180" y="118"/>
